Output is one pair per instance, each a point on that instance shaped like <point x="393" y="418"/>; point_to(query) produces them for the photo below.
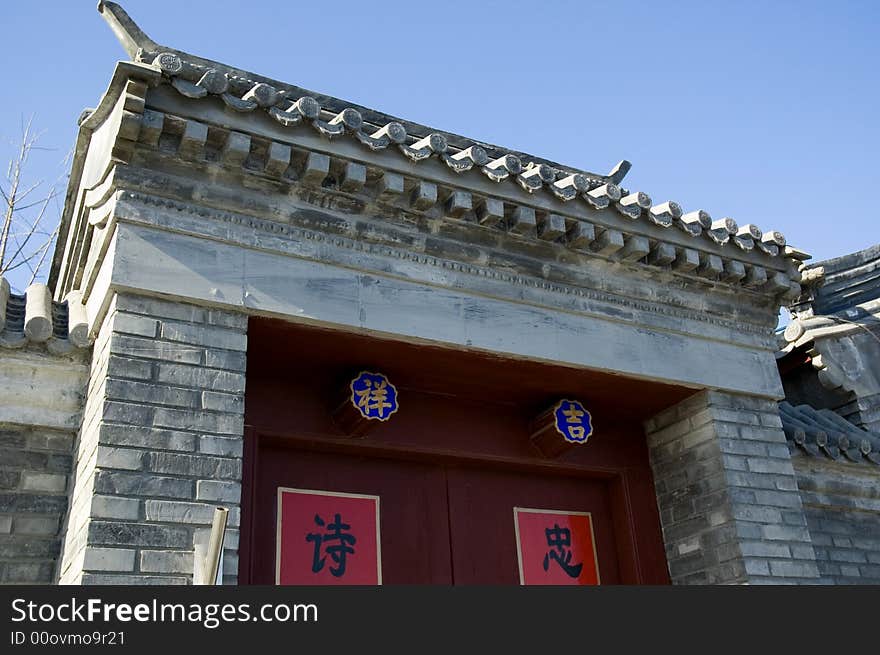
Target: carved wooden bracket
<point x="366" y="400"/>
<point x="562" y="427"/>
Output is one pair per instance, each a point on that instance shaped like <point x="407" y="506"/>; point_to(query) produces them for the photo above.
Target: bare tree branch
<point x="21" y="195"/>
<point x="32" y="230"/>
<point x="40" y="201"/>
<point x="25" y="261"/>
<point x="24" y="242"/>
<point x="45" y="250"/>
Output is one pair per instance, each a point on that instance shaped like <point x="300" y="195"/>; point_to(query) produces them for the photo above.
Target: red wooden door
<point x="414" y="527"/>
<point x="481" y="520"/>
<point x="453" y="462"/>
<point x="439" y="523"/>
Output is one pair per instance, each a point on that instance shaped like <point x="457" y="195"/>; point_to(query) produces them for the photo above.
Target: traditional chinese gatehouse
<point x="393" y="353"/>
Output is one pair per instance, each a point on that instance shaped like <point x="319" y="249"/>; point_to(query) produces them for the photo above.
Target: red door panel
<point x="414" y="527"/>
<point x="439" y="523"/>
<point x="481" y="506"/>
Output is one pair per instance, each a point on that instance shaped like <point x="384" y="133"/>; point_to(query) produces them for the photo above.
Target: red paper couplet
<point x="555" y="547"/>
<point x="327" y="538"/>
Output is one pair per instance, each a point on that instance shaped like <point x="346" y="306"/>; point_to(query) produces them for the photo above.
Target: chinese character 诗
<point x="559" y="541"/>
<point x="337" y="544"/>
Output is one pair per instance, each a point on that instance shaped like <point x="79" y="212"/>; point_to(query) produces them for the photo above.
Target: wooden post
<point x="208" y="557"/>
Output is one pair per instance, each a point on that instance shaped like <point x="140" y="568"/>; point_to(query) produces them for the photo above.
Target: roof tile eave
<point x="292" y="106"/>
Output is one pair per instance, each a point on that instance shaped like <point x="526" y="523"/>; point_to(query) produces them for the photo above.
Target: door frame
<point x="623" y="491"/>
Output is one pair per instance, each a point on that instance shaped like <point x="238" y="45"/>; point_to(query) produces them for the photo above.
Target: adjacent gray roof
<point x="849" y="280"/>
<point x="34" y="318"/>
<point x="840" y="296"/>
<point x="823" y="433"/>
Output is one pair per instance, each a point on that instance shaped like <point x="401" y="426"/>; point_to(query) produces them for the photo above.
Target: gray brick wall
<point x="161" y="443"/>
<point x="34" y="467"/>
<point x="842" y="506"/>
<point x="729" y="502"/>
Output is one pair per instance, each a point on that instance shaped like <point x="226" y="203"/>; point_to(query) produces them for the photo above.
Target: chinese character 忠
<point x="559" y="541"/>
<point x="337" y="531"/>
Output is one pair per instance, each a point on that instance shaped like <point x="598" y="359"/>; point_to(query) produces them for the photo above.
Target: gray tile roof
<point x="848" y="281"/>
<point x="292" y="107"/>
<point x="823" y="433"/>
<point x="34" y="318"/>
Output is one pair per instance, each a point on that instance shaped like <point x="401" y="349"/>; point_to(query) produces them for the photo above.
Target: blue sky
<point x="765" y="112"/>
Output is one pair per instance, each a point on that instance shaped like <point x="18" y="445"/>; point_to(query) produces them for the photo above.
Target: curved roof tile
<point x="295" y="108"/>
<point x="34" y="318"/>
<point x="823" y="433"/>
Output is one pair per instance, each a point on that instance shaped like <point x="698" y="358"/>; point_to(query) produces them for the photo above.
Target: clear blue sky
<point x="762" y="111"/>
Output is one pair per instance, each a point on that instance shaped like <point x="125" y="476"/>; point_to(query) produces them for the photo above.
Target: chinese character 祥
<point x="559" y="541"/>
<point x="573" y="421"/>
<point x="337" y="544"/>
<point x="374" y="396"/>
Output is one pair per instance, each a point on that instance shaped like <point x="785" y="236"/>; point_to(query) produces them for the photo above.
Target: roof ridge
<point x="843" y="263"/>
<point x="141" y="48"/>
<point x="291" y="106"/>
<point x="130" y="35"/>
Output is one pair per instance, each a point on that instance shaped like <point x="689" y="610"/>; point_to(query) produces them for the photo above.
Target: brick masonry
<point x="42" y="388"/>
<point x="41" y="395"/>
<point x="34" y="468"/>
<point x="842" y="506"/>
<point x="160" y="444"/>
<point x="729" y="502"/>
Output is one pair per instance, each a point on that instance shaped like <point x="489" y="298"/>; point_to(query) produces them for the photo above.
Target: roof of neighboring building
<point x="34" y="318"/>
<point x="849" y="280"/>
<point x="823" y="433"/>
<point x="840" y="296"/>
